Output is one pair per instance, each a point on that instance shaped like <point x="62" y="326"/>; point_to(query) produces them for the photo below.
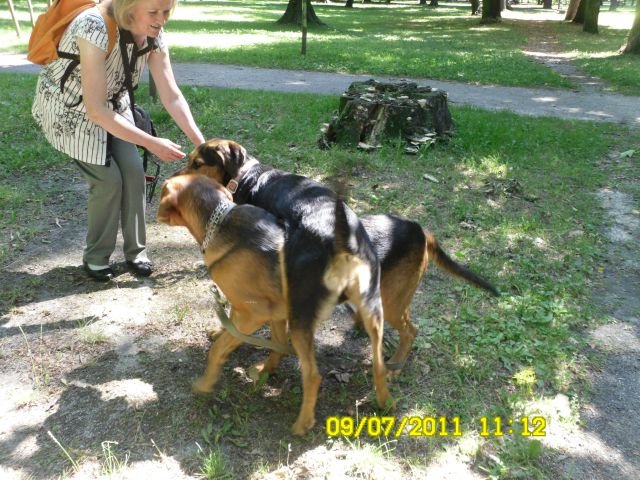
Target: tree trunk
<point x="349" y="4"/>
<point x="591" y="13"/>
<point x="490" y="11"/>
<point x="433" y="3"/>
<point x="293" y="14"/>
<point x="580" y="12"/>
<point x="548" y="4"/>
<point x="633" y="41"/>
<point x="372" y="112"/>
<point x="16" y="24"/>
<point x="475" y="7"/>
<point x="572" y="9"/>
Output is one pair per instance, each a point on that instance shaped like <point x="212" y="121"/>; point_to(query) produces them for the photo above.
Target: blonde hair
<point x="122" y="11"/>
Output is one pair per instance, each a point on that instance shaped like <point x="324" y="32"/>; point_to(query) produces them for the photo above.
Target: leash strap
<point x="231" y="328"/>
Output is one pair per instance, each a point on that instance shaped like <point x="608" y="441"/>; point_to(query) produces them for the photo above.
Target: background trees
<point x="633" y="41"/>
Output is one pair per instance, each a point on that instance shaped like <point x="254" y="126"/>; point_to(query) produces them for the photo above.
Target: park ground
<point x="96" y="377"/>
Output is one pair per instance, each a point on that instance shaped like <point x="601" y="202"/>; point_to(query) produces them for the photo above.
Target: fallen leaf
<point x="367" y="147"/>
<point x="426" y="176"/>
<point x="411" y="150"/>
<point x="627" y="154"/>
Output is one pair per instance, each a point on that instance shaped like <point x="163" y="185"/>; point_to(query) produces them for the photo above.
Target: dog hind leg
<point x="302" y="341"/>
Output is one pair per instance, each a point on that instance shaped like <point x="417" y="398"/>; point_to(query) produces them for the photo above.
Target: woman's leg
<point x="103" y="212"/>
<point x="133" y="204"/>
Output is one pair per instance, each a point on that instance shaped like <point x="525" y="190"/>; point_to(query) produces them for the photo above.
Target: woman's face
<point x="148" y="17"/>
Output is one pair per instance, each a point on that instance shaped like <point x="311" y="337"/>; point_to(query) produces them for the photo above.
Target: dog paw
<point x="387" y="404"/>
<point x="212" y="335"/>
<point x="258" y="371"/>
<point x="302" y="426"/>
<point x="392" y="374"/>
<point x="201" y="386"/>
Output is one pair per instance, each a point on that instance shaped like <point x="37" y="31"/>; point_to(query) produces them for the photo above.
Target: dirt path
<point x="118" y="350"/>
<point x="607" y="447"/>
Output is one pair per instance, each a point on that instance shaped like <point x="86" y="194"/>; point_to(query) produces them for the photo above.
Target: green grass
<point x="399" y="39"/>
<point x="25" y="159"/>
<point x="598" y="54"/>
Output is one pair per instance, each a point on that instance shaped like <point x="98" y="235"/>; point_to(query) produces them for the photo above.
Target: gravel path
<point x="568" y="104"/>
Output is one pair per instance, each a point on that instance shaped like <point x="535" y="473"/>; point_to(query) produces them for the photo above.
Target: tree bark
<point x="491" y="11"/>
<point x="373" y="112"/>
<point x="572" y="9"/>
<point x="548" y="4"/>
<point x="633" y="41"/>
<point x="349" y="4"/>
<point x="580" y="12"/>
<point x="475" y="7"/>
<point x="591" y="13"/>
<point x="293" y="14"/>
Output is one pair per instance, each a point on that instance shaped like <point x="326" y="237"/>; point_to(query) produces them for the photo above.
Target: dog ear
<point x="168" y="211"/>
<point x="237" y="153"/>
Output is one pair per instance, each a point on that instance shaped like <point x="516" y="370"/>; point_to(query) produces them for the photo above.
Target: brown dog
<point x="245" y="252"/>
<point x="403" y="248"/>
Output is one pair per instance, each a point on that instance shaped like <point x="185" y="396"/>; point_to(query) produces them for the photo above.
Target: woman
<point x="89" y="118"/>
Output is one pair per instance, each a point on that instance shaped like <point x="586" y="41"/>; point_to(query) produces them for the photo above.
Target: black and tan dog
<point x="245" y="250"/>
<point x="404" y="249"/>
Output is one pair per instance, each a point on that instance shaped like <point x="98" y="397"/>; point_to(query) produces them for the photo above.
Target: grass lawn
<point x="598" y="54"/>
<point x="514" y="200"/>
<point x="399" y="39"/>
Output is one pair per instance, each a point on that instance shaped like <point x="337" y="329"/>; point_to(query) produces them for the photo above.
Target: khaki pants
<point x="116" y="193"/>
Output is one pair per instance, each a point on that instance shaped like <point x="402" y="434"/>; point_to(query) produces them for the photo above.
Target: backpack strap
<point x="129" y="65"/>
<point x="112" y="28"/>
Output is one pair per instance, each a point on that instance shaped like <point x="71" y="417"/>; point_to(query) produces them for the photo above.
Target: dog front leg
<point x="222" y="348"/>
<point x="270" y="365"/>
<point x="218" y="354"/>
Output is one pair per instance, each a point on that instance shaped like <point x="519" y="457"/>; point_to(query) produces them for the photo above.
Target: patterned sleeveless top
<point x="61" y="114"/>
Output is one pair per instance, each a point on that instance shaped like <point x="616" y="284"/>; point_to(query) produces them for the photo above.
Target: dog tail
<point x="446" y="263"/>
<point x="345" y="237"/>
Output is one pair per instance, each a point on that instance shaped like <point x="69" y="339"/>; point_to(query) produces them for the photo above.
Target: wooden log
<point x="33" y="20"/>
<point x="372" y="112"/>
<point x="15" y="19"/>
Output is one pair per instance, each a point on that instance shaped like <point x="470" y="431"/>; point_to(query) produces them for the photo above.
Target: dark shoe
<point x="143" y="269"/>
<point x="102" y="275"/>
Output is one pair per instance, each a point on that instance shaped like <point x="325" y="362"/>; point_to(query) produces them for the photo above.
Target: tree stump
<point x="372" y="112"/>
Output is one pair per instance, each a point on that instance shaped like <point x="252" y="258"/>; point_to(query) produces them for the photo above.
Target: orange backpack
<point x="46" y="35"/>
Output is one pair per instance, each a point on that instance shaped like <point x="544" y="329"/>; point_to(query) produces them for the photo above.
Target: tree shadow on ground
<point x="143" y="401"/>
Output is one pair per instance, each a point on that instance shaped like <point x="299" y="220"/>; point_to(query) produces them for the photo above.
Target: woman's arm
<point x="94" y="96"/>
<point x="171" y="96"/>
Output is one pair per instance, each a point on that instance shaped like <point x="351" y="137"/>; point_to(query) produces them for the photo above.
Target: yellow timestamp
<point x="523" y="426"/>
<point x="415" y="426"/>
<point x="392" y="427"/>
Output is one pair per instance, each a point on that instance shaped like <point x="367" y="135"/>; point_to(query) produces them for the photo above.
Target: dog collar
<point x="234" y="183"/>
<point x="217" y="216"/>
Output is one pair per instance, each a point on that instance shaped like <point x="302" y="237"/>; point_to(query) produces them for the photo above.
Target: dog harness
<point x="217" y="216"/>
<point x="234" y="183"/>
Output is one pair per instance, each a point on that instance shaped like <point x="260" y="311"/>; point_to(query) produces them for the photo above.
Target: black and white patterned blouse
<point x="62" y="114"/>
